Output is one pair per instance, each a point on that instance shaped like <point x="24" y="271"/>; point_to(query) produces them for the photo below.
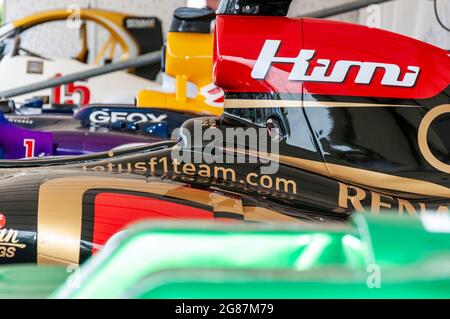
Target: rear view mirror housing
<point x="7" y="106"/>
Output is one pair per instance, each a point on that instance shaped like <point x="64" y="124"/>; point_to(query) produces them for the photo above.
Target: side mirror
<point x="7" y="106"/>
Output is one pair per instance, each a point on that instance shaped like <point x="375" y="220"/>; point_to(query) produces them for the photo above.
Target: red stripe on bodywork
<point x="113" y="212"/>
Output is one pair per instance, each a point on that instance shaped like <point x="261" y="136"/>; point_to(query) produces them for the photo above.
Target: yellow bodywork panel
<point x="190" y="54"/>
<point x="188" y="59"/>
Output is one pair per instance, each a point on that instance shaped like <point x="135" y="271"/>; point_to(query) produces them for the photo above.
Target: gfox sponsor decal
<point x="322" y="73"/>
<point x="360" y="200"/>
<point x="9" y="241"/>
<point x="177" y="168"/>
<point x="104" y="117"/>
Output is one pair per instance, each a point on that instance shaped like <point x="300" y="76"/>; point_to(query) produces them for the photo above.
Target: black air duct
<point x="255" y="7"/>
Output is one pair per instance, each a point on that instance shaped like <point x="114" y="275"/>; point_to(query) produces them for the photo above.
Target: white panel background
<point x="414" y="18"/>
<point x="161" y="8"/>
<point x="301" y="7"/>
<point x="42" y="41"/>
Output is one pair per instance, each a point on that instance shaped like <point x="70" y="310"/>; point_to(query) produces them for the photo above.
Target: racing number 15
<point x="29" y="147"/>
<point x="70" y="90"/>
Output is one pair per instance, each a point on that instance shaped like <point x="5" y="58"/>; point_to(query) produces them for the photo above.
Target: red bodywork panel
<point x="109" y="216"/>
<point x="239" y="42"/>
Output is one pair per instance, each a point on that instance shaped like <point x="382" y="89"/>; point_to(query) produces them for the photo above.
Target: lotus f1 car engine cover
<point x="361" y="128"/>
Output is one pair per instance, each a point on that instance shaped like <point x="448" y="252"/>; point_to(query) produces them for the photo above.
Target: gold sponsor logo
<point x="9" y="243"/>
<point x="423" y="140"/>
<point x="353" y="197"/>
<point x="215" y="172"/>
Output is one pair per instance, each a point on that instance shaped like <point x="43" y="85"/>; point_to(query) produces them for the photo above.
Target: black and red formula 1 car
<point x="360" y="118"/>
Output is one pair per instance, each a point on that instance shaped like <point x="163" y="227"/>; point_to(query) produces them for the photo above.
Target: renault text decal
<point x="320" y="73"/>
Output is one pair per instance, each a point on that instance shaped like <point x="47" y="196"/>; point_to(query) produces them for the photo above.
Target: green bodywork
<point x="30" y="281"/>
<point x="371" y="257"/>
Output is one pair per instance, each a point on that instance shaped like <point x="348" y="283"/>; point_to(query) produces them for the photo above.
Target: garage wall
<point x="302" y="7"/>
<point x="162" y="8"/>
<point x="42" y="38"/>
<point x="414" y="18"/>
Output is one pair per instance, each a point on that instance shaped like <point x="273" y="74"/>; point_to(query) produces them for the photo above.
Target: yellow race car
<point x="126" y="37"/>
<point x="187" y="81"/>
<point x="187" y="84"/>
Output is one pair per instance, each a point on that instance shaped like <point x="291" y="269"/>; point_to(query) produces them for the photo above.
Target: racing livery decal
<point x="9" y="240"/>
<point x="339" y="72"/>
<point x="107" y="116"/>
<point x="214" y="95"/>
<point x="103" y="214"/>
<point x="70" y="90"/>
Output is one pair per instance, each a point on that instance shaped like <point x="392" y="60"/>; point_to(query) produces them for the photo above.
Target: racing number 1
<point x="29" y="147"/>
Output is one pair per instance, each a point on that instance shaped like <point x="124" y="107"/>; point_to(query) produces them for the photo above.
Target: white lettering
<point x="391" y="77"/>
<point x="103" y="117"/>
